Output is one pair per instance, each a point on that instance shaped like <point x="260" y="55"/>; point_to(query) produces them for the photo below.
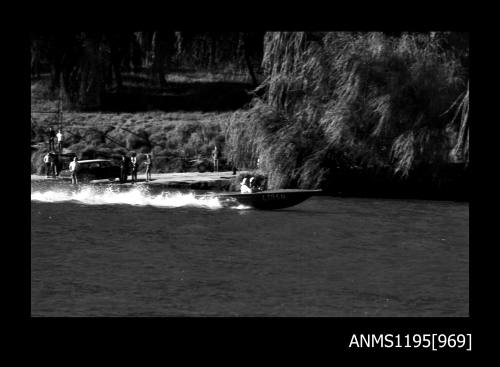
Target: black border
<point x="317" y="335"/>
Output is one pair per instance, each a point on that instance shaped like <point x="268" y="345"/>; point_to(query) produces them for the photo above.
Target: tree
<point x="117" y="52"/>
<point x="163" y="45"/>
<point x="375" y="99"/>
<point x="35" y="56"/>
<point x="91" y="72"/>
<point x="250" y="47"/>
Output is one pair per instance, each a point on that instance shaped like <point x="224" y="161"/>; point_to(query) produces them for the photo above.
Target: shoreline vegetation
<point x="355" y="114"/>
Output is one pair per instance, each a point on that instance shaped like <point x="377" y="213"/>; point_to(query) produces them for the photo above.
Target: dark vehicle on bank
<point x="94" y="169"/>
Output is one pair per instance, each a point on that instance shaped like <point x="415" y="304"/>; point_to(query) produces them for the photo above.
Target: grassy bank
<point x="140" y="117"/>
<point x="173" y="138"/>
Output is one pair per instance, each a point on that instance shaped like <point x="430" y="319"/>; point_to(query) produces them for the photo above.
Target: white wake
<point x="134" y="196"/>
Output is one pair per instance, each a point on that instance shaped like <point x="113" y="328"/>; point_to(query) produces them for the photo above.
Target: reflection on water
<point x="114" y="251"/>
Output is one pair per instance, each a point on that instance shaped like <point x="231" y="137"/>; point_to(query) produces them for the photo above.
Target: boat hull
<point x="272" y="199"/>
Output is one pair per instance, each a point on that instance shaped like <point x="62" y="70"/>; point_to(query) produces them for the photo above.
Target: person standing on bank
<point x="52" y="163"/>
<point x="52" y="137"/>
<point x="59" y="140"/>
<point x="215" y="157"/>
<point x="133" y="163"/>
<point x="73" y="167"/>
<point x="123" y="169"/>
<point x="46" y="160"/>
<point x="56" y="165"/>
<point x="149" y="165"/>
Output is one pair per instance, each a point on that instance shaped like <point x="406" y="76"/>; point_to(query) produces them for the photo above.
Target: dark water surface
<point x="164" y="256"/>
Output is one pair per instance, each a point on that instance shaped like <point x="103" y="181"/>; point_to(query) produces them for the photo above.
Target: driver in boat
<point x="245" y="189"/>
<point x="254" y="186"/>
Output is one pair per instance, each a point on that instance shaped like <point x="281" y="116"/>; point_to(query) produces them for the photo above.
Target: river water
<point x="102" y="251"/>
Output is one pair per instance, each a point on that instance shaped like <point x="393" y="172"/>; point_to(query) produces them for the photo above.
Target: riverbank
<point x="219" y="181"/>
<point x="175" y="136"/>
<point x="181" y="141"/>
<point x="173" y="139"/>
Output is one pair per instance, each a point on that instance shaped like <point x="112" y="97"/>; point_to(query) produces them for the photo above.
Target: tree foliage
<point x="87" y="64"/>
<point x="358" y="99"/>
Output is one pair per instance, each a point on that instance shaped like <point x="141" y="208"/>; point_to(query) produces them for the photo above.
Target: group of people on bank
<point x="129" y="165"/>
<point x="51" y="159"/>
<point x="53" y="136"/>
<point x="51" y="162"/>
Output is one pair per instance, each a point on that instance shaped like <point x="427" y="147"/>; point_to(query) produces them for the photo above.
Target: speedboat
<point x="270" y="199"/>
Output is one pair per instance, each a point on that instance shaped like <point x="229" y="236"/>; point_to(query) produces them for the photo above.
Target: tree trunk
<point x="119" y="44"/>
<point x="137" y="52"/>
<point x="57" y="50"/>
<point x="35" y="59"/>
<point x="212" y="53"/>
<point x="159" y="58"/>
<point x="248" y="60"/>
<point x="55" y="77"/>
<point x="92" y="86"/>
<point x="84" y="81"/>
<point x="115" y="62"/>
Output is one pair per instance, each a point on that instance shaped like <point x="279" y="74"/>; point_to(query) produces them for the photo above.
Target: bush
<point x="39" y="133"/>
<point x="73" y="138"/>
<point x="103" y="153"/>
<point x="184" y="130"/>
<point x="133" y="142"/>
<point x="158" y="139"/>
<point x="89" y="153"/>
<point x="144" y="149"/>
<point x="78" y="148"/>
<point x="137" y="140"/>
<point x="37" y="165"/>
<point x="119" y="151"/>
<point x="94" y="137"/>
<point x="194" y="143"/>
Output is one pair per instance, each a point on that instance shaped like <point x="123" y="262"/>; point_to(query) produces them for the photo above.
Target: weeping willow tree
<point x="460" y="151"/>
<point x="356" y="100"/>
